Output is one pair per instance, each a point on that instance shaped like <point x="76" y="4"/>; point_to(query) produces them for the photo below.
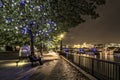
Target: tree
<point x="27" y="17"/>
<point x="42" y="20"/>
<point x="69" y="13"/>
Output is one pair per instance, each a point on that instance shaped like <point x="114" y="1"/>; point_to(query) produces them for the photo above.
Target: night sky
<point x="105" y="29"/>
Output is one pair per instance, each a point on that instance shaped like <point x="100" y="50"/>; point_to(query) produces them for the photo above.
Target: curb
<point x="79" y="69"/>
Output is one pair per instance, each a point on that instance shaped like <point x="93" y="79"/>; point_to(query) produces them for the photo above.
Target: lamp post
<point x="61" y="45"/>
<point x="61" y="36"/>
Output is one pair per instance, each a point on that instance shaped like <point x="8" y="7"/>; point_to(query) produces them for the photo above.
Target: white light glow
<point x="4" y="29"/>
<point x="13" y="64"/>
<point x="17" y="32"/>
<point x="16" y="27"/>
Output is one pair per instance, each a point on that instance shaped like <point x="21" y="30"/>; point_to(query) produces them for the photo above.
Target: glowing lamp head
<point x="61" y="36"/>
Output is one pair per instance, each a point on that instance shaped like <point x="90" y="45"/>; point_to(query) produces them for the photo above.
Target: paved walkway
<point x="53" y="68"/>
<point x="57" y="70"/>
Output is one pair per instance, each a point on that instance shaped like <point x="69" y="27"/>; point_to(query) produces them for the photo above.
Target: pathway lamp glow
<point x="61" y="44"/>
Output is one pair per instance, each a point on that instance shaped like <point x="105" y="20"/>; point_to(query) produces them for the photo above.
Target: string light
<point x="1" y="4"/>
<point x="22" y="2"/>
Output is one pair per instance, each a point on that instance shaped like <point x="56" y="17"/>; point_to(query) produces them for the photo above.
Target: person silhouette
<point x="33" y="58"/>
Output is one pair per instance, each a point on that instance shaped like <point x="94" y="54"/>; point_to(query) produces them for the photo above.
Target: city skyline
<point x="104" y="29"/>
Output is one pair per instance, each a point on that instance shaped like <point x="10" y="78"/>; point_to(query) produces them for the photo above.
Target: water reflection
<point x="104" y="56"/>
<point x="108" y="57"/>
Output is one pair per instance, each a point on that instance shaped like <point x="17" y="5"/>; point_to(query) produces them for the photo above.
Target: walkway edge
<point x="79" y="69"/>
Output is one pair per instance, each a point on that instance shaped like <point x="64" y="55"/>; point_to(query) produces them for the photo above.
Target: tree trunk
<point x="31" y="42"/>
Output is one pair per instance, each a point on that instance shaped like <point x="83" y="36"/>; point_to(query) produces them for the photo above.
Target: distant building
<point x="99" y="45"/>
<point x="84" y="45"/>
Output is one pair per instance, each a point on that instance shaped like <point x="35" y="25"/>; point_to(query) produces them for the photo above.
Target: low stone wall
<point x="9" y="55"/>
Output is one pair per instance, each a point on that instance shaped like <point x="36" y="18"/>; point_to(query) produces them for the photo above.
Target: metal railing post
<point x="92" y="67"/>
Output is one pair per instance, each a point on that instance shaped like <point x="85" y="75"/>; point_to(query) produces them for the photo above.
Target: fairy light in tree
<point x="4" y="29"/>
<point x="27" y="1"/>
<point x="55" y="24"/>
<point x="24" y="30"/>
<point x="36" y="34"/>
<point x="17" y="32"/>
<point x="8" y="20"/>
<point x="13" y="5"/>
<point x="50" y="21"/>
<point x="43" y="20"/>
<point x="31" y="23"/>
<point x="8" y="29"/>
<point x="50" y="30"/>
<point x="22" y="2"/>
<point x="20" y="26"/>
<point x="50" y="39"/>
<point x="13" y="1"/>
<point x="55" y="28"/>
<point x="16" y="27"/>
<point x="40" y="8"/>
<point x="48" y="24"/>
<point x="45" y="14"/>
<point x="1" y="4"/>
<point x="21" y="13"/>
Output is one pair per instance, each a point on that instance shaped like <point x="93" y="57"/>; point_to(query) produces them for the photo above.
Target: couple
<point x="33" y="58"/>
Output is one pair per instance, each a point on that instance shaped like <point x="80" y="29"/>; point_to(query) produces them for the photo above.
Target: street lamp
<point x="61" y="37"/>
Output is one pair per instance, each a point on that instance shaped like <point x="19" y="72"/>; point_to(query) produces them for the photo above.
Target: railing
<point x="101" y="69"/>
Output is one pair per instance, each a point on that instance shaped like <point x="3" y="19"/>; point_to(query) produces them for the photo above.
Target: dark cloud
<point x="105" y="29"/>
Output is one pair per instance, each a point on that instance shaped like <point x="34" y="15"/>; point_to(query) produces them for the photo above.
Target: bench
<point x="21" y="58"/>
<point x="34" y="59"/>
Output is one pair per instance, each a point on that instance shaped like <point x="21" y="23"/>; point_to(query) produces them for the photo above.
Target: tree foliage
<point x="71" y="12"/>
<point x="45" y="18"/>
